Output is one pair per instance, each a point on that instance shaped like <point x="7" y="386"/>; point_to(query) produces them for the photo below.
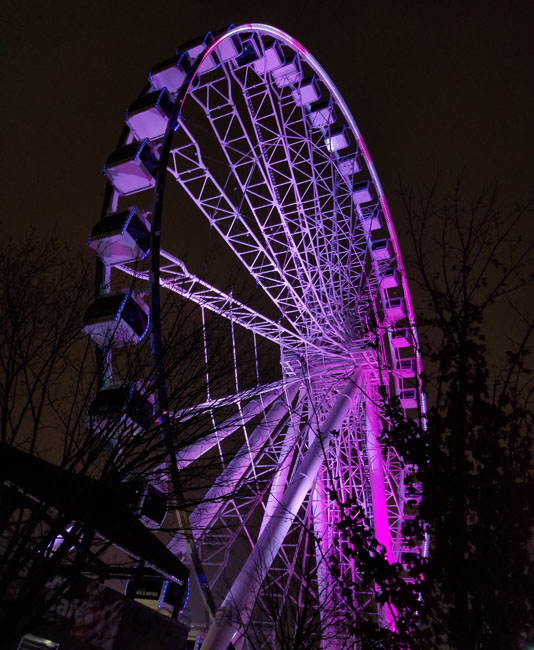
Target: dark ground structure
<point x="84" y="614"/>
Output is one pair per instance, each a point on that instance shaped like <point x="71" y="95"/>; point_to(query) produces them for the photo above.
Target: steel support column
<point x="236" y="608"/>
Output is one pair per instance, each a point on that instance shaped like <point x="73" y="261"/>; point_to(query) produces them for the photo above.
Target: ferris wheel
<point x="262" y="146"/>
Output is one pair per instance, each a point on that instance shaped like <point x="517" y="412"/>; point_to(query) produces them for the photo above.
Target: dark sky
<point x="433" y="86"/>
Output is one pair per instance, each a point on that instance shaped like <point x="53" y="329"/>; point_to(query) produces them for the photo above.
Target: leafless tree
<point x="96" y="466"/>
<point x="472" y="267"/>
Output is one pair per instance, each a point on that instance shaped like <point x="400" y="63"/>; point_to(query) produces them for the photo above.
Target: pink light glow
<point x="365" y="151"/>
<point x="298" y="46"/>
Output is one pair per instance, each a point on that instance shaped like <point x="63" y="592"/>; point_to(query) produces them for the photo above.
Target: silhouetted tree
<point x="472" y="269"/>
<point x="96" y="467"/>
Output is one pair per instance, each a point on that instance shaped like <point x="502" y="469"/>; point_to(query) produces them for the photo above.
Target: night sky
<point x="433" y="86"/>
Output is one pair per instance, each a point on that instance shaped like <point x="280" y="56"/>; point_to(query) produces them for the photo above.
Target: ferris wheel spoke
<point x="321" y="195"/>
<point x="280" y="283"/>
<point x="256" y="399"/>
<point x="242" y="462"/>
<point x="255" y="478"/>
<point x="275" y="143"/>
<point x="176" y="278"/>
<point x="190" y="170"/>
<point x="247" y="583"/>
<point x="283" y="468"/>
<point x="337" y="222"/>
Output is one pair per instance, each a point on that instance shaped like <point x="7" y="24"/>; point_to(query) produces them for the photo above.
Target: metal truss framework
<point x="269" y="153"/>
